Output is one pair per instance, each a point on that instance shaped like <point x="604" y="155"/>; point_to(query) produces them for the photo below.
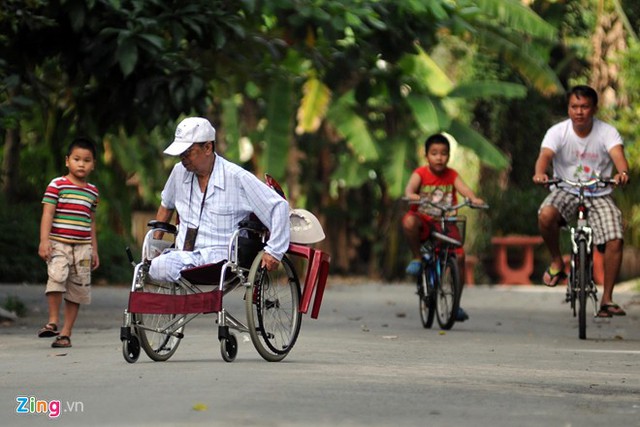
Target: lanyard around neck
<point x="204" y="194"/>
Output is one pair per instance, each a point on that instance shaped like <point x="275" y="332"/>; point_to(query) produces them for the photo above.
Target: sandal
<point x="612" y="309"/>
<point x="552" y="279"/>
<point x="61" y="341"/>
<point x="414" y="267"/>
<point x="48" y="330"/>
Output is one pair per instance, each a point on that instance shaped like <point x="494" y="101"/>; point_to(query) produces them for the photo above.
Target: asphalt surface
<point x="366" y="361"/>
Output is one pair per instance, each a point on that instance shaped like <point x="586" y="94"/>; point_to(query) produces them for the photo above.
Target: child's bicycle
<point x="580" y="286"/>
<point x="440" y="282"/>
<point x="158" y="312"/>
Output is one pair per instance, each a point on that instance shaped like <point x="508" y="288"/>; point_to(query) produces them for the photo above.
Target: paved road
<point x="366" y="361"/>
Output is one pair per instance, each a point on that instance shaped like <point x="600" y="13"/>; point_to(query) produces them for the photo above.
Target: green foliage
<point x="124" y="72"/>
<point x="15" y="305"/>
<point x="514" y="212"/>
<point x="19" y="241"/>
<point x="114" y="263"/>
<point x="20" y="238"/>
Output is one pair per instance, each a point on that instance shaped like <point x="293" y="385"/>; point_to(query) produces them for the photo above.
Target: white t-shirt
<point x="579" y="158"/>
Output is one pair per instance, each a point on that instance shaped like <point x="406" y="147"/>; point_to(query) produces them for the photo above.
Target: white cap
<point x="305" y="227"/>
<point x="190" y="131"/>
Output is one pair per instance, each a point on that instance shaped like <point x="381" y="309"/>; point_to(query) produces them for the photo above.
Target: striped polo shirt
<point x="74" y="207"/>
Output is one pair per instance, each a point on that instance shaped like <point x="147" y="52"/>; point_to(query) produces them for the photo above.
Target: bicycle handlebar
<point x="444" y="209"/>
<point x="600" y="182"/>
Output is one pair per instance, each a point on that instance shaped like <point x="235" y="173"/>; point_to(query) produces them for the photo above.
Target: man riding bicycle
<point x="580" y="148"/>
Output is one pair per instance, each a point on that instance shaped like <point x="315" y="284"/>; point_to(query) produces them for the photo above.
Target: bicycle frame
<point x="440" y="282"/>
<point x="580" y="286"/>
<point x="582" y="232"/>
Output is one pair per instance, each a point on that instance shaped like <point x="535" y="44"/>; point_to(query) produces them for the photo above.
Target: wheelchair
<point x="274" y="301"/>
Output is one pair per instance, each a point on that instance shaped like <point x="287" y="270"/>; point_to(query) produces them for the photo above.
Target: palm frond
<point x="276" y="136"/>
<point x="486" y="151"/>
<point x="488" y="89"/>
<point x="426" y="73"/>
<point x="395" y="171"/>
<point x="313" y="106"/>
<point x="353" y="128"/>
<point x="529" y="64"/>
<point x="517" y="16"/>
<point x="428" y="113"/>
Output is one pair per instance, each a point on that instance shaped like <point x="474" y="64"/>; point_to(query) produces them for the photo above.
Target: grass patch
<point x="15" y="305"/>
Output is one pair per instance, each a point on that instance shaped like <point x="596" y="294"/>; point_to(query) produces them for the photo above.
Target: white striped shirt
<point x="232" y="194"/>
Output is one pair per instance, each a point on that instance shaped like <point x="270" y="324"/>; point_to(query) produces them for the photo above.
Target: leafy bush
<point x="515" y="211"/>
<point x="15" y="305"/>
<point x="19" y="240"/>
<point x="115" y="267"/>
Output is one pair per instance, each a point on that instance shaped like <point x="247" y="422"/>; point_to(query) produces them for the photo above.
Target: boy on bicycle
<point x="440" y="184"/>
<point x="583" y="147"/>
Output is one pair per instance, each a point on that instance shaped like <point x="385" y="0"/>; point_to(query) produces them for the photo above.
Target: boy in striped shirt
<point x="68" y="240"/>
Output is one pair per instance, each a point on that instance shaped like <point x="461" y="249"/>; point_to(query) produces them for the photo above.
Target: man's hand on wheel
<point x="269" y="262"/>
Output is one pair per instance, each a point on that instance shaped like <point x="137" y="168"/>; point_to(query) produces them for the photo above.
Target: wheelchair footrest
<point x="155" y="303"/>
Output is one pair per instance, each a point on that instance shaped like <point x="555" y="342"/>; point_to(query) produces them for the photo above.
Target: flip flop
<point x="414" y="267"/>
<point x="48" y="330"/>
<point x="552" y="279"/>
<point x="61" y="341"/>
<point x="603" y="313"/>
<point x="612" y="309"/>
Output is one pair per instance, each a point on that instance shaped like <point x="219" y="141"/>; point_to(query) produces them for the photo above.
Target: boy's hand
<point x="476" y="201"/>
<point x="95" y="261"/>
<point x="44" y="250"/>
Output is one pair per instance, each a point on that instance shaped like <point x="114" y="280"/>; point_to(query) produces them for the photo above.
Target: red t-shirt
<point x="439" y="189"/>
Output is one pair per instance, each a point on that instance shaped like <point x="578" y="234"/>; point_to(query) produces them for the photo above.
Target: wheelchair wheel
<point x="229" y="348"/>
<point x="131" y="349"/>
<point x="160" y="334"/>
<point x="272" y="302"/>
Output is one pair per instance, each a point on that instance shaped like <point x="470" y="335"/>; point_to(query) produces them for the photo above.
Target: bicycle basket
<point x="456" y="227"/>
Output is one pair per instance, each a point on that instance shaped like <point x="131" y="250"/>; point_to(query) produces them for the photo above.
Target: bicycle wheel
<point x="160" y="334"/>
<point x="272" y="303"/>
<point x="448" y="293"/>
<point x="426" y="297"/>
<point x="582" y="276"/>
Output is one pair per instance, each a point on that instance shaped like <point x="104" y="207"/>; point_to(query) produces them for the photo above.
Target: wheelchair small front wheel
<point x="229" y="348"/>
<point x="131" y="349"/>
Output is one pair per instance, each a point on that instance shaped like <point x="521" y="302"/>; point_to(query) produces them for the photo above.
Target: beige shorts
<point x="69" y="271"/>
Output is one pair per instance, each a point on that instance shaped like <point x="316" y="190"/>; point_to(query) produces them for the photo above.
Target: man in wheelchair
<point x="211" y="196"/>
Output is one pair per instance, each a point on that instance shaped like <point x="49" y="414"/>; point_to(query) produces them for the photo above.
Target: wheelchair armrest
<point x="164" y="226"/>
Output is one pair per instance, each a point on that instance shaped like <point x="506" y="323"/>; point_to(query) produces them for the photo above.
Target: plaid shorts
<point x="604" y="216"/>
<point x="69" y="271"/>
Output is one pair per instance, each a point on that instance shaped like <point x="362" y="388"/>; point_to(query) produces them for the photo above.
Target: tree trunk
<point x="608" y="43"/>
<point x="10" y="164"/>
